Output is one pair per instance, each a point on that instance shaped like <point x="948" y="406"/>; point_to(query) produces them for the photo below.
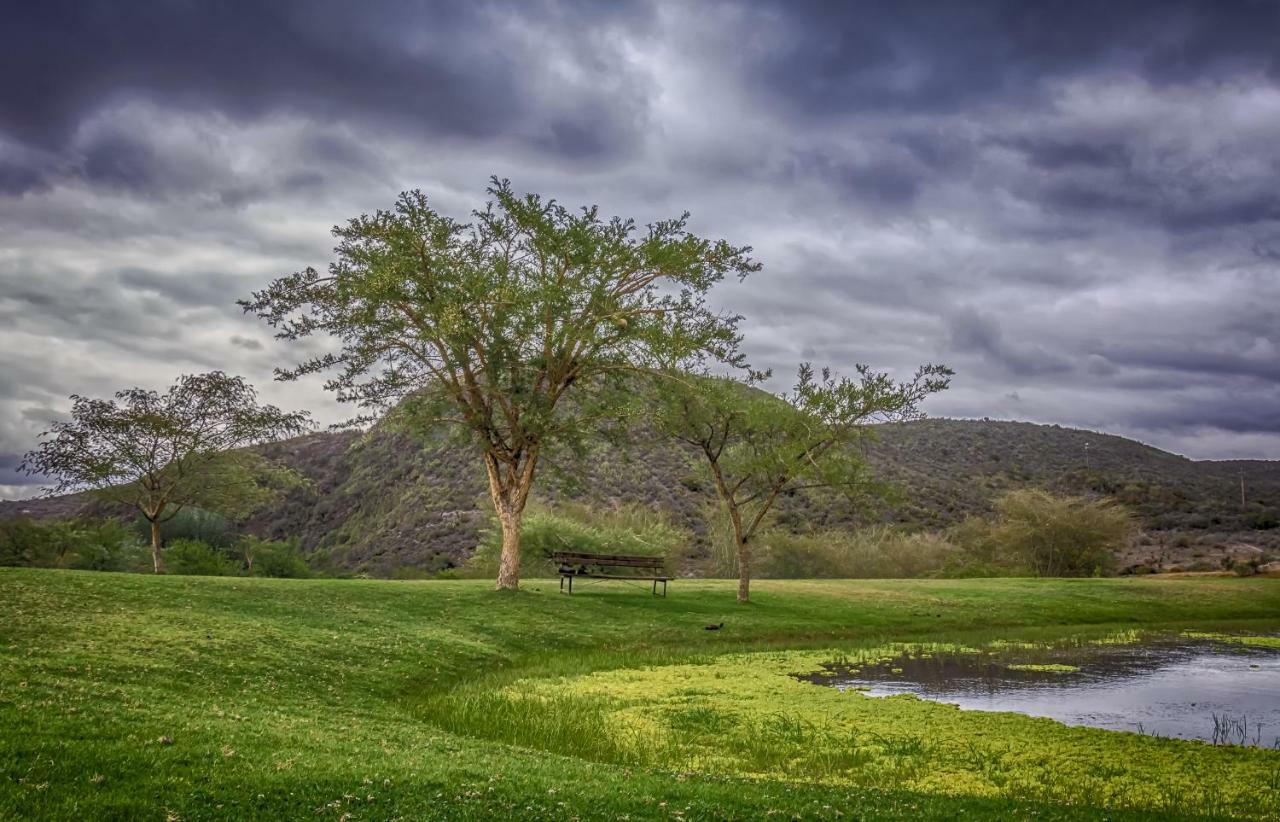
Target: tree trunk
<point x="509" y="566"/>
<point x="744" y="571"/>
<point x="155" y="546"/>
<point x="509" y="487"/>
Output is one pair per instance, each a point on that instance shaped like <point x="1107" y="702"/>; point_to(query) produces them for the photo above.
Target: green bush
<point x="110" y="545"/>
<point x="193" y="523"/>
<point x="271" y="558"/>
<point x="193" y="557"/>
<point x="96" y="545"/>
<point x="581" y="529"/>
<point x="1266" y="520"/>
<point x="1044" y="534"/>
<point x="26" y="542"/>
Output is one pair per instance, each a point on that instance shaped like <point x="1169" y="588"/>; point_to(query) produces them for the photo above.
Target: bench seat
<point x="604" y="566"/>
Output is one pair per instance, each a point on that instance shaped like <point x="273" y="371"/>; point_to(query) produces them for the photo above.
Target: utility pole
<point x="1086" y="455"/>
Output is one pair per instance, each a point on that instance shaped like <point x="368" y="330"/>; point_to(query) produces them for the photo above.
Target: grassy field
<point x="184" y="698"/>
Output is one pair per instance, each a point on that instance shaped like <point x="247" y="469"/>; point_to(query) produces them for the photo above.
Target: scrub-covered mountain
<point x="381" y="501"/>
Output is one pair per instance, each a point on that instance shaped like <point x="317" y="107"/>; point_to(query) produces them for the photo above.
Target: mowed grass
<point x="183" y="698"/>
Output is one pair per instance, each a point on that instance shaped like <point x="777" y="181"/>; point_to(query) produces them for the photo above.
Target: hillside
<point x="379" y="501"/>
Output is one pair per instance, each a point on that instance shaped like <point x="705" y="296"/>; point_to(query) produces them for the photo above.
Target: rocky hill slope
<point x="380" y="501"/>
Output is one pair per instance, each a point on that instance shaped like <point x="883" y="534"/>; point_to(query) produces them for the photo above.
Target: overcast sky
<point x="1073" y="204"/>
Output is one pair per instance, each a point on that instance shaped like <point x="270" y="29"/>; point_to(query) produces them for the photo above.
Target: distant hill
<point x="380" y="501"/>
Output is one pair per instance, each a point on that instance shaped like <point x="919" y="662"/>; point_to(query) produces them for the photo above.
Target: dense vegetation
<point x="141" y="697"/>
<point x="380" y="503"/>
<point x="196" y="543"/>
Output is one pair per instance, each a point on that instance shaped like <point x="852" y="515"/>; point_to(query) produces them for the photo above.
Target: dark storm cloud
<point x="972" y="332"/>
<point x="1055" y="154"/>
<point x="9" y="471"/>
<point x="16" y="178"/>
<point x="824" y="59"/>
<point x="1074" y="204"/>
<point x="1262" y="366"/>
<point x="1225" y="411"/>
<point x="451" y="69"/>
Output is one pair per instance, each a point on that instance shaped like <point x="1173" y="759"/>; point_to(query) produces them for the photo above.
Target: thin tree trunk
<point x="155" y="546"/>
<point x="744" y="570"/>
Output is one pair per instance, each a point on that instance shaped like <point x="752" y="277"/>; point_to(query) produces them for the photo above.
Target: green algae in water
<point x="1272" y="642"/>
<point x="1046" y="667"/>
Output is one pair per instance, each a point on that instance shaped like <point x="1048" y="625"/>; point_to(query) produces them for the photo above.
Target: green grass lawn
<point x="184" y="698"/>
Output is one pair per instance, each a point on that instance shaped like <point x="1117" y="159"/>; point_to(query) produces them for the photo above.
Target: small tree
<point x="758" y="446"/>
<point x="160" y="453"/>
<point x="488" y="325"/>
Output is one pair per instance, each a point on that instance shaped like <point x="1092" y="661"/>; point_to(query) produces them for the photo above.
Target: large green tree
<point x="163" y="452"/>
<point x="487" y="325"/>
<point x="758" y="446"/>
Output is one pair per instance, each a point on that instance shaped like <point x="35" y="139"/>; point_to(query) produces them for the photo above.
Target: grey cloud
<point x="1054" y="154"/>
<point x="1072" y="205"/>
<point x="195" y="289"/>
<point x="19" y="178"/>
<point x="452" y="69"/>
<point x="917" y="55"/>
<point x="1239" y="414"/>
<point x="973" y="332"/>
<point x="1185" y="359"/>
<point x="122" y="162"/>
<point x="12" y="476"/>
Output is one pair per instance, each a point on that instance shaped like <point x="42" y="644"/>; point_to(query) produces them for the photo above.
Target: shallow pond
<point x="1185" y="687"/>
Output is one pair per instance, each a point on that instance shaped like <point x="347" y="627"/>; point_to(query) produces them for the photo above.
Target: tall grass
<point x="563" y="724"/>
<point x="875" y="552"/>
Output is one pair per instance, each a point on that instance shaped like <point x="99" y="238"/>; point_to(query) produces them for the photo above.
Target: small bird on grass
<point x="715" y="627"/>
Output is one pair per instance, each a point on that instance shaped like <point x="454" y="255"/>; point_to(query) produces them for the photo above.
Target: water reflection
<point x="1172" y="686"/>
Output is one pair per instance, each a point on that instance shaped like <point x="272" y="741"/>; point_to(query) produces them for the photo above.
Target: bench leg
<point x="664" y="589"/>
<point x="571" y="585"/>
<point x="562" y="585"/>
<point x="655" y="587"/>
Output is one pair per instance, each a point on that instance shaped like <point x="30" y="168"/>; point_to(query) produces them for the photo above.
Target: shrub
<point x="26" y="542"/>
<point x="97" y="545"/>
<point x="193" y="523"/>
<point x="273" y="558"/>
<point x="1266" y="520"/>
<point x="581" y="529"/>
<point x="1246" y="568"/>
<point x="1048" y="535"/>
<point x="110" y="545"/>
<point x="193" y="557"/>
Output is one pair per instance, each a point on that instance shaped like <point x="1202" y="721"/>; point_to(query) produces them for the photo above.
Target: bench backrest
<point x="619" y="560"/>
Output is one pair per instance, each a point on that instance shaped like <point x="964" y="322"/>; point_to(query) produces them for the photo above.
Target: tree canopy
<point x="162" y="452"/>
<point x="758" y="446"/>
<point x="488" y="324"/>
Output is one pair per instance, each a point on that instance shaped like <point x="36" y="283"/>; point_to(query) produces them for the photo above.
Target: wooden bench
<point x="599" y="566"/>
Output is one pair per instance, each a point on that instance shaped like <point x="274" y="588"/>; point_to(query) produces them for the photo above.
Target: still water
<point x="1179" y="687"/>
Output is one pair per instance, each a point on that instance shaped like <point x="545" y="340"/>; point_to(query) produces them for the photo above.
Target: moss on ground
<point x="748" y="715"/>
